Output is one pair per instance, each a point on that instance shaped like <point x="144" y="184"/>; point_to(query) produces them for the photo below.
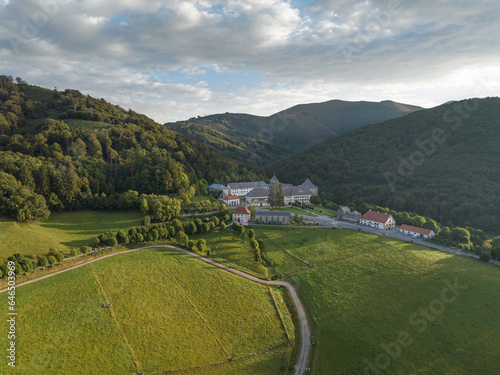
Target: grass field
<point x="62" y="231"/>
<point x="167" y="311"/>
<point x="294" y="210"/>
<point x="363" y="291"/>
<point x="323" y="211"/>
<point x="84" y="124"/>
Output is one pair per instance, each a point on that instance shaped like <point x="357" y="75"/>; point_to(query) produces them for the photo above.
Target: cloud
<point x="145" y="53"/>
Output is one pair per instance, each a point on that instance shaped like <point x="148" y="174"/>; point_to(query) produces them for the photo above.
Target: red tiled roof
<point x="241" y="210"/>
<point x="231" y="197"/>
<point x="379" y="217"/>
<point x="415" y="229"/>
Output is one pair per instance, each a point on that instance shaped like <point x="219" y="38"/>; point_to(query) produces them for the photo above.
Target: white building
<point x="378" y="220"/>
<point x="241" y="215"/>
<point x="231" y="200"/>
<point x="416" y="231"/>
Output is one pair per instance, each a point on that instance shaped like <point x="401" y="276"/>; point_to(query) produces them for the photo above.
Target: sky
<point x="173" y="60"/>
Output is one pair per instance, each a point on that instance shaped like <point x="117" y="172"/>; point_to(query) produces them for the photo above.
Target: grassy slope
<point x="354" y="310"/>
<point x="168" y="311"/>
<point x="61" y="231"/>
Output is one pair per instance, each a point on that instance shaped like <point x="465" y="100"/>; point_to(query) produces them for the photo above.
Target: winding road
<point x="305" y="345"/>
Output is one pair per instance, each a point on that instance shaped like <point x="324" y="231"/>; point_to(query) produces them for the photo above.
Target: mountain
<point x="266" y="139"/>
<point x="442" y="162"/>
<point x="65" y="150"/>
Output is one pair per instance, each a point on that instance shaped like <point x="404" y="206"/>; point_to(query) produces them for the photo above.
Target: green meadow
<point x="363" y="291"/>
<point x="62" y="231"/>
<point x="149" y="311"/>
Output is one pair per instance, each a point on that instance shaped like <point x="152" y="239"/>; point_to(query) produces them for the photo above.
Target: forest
<point x="442" y="163"/>
<point x="66" y="151"/>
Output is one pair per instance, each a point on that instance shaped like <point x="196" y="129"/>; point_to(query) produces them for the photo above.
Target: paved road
<point x="305" y="346"/>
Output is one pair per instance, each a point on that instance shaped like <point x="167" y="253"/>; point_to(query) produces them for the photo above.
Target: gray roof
<point x="344" y="209"/>
<point x="247" y="185"/>
<point x="217" y="187"/>
<point x="273" y="213"/>
<point x="296" y="190"/>
<point x="258" y="193"/>
<point x="308" y="184"/>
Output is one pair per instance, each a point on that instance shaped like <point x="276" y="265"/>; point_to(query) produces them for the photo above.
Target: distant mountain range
<point x="442" y="162"/>
<point x="261" y="140"/>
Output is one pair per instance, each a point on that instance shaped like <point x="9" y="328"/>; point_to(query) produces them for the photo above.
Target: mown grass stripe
<point x="195" y="308"/>
<point x="115" y="320"/>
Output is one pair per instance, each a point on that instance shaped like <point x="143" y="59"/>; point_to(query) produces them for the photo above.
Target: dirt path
<point x="305" y="346"/>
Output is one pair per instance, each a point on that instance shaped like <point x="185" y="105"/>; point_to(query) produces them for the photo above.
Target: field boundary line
<point x="137" y="364"/>
<point x="279" y="313"/>
<point x="195" y="308"/>
<point x="286" y="251"/>
<point x="242" y="358"/>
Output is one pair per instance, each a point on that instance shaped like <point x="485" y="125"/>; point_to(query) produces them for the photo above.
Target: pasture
<point x="62" y="231"/>
<point x="363" y="292"/>
<point x="148" y="311"/>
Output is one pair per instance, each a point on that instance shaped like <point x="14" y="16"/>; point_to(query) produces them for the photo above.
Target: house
<point x="416" y="231"/>
<point x="241" y="215"/>
<point x="273" y="217"/>
<point x="231" y="200"/>
<point x="344" y="213"/>
<point x="379" y="220"/>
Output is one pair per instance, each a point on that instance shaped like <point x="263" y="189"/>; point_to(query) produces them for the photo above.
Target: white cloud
<point x="420" y="51"/>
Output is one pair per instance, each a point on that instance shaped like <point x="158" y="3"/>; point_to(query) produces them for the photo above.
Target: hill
<point x="440" y="162"/>
<point x="265" y="139"/>
<point x="151" y="311"/>
<point x="65" y="150"/>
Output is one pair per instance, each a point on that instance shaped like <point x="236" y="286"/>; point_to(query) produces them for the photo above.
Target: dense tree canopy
<point x="441" y="163"/>
<point x="71" y="151"/>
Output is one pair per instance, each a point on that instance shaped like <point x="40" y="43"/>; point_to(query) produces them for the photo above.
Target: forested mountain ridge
<point x="443" y="163"/>
<point x="267" y="139"/>
<point x="66" y="150"/>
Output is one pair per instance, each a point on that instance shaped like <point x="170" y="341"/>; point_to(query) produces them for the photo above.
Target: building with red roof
<point x="231" y="200"/>
<point x="416" y="231"/>
<point x="379" y="220"/>
<point x="241" y="215"/>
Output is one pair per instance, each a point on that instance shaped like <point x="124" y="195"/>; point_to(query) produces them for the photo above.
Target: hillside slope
<point x="441" y="161"/>
<point x="66" y="150"/>
<point x="267" y="139"/>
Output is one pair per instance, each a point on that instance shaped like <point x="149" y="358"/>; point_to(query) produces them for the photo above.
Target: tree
<point x="182" y="239"/>
<point x="201" y="245"/>
<point x="146" y="221"/>
<point x="43" y="262"/>
<point x="460" y="235"/>
<point x="251" y="233"/>
<point x="52" y="259"/>
<point x="222" y="225"/>
<point x="276" y="198"/>
<point x="59" y="258"/>
<point x="432" y="225"/>
<point x="121" y="237"/>
<point x="240" y="230"/>
<point x="315" y="199"/>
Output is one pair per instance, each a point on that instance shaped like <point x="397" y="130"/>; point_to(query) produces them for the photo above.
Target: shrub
<point x="52" y="259"/>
